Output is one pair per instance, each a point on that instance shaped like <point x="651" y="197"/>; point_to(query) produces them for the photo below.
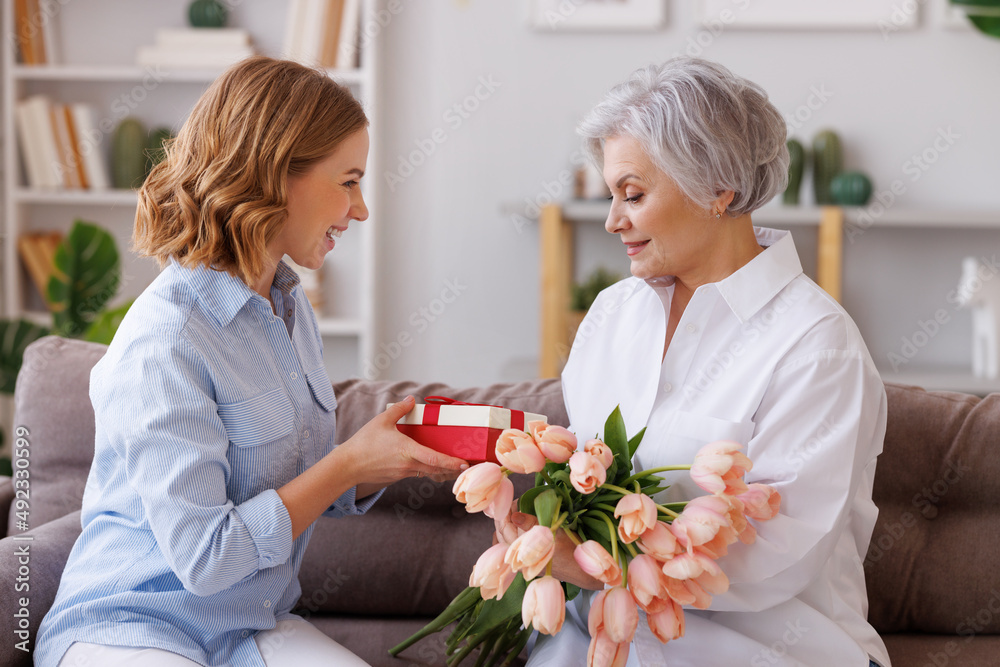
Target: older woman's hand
<point x="564" y="567"/>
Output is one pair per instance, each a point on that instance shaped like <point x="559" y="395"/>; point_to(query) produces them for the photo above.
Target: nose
<point x="359" y="211"/>
<point x="617" y="221"/>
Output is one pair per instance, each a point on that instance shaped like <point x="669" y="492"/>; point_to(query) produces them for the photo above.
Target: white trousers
<point x="291" y="643"/>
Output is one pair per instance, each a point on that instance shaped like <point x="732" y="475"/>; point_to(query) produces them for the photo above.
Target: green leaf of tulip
<point x="496" y="612"/>
<point x="617" y="440"/>
<point x="547" y="506"/>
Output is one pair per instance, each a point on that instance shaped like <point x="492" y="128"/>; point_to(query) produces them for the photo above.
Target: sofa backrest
<point x="934" y="560"/>
<point x="52" y="401"/>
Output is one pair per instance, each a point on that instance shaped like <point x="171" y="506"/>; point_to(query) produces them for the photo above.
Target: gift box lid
<point x="456" y="414"/>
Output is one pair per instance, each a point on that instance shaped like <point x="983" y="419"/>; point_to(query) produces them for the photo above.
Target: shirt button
<point x="246" y="632"/>
<point x="306" y="434"/>
<point x="667" y="387"/>
<point x="289" y="312"/>
<point x="294" y="375"/>
<point x="267" y="603"/>
<point x="691" y="328"/>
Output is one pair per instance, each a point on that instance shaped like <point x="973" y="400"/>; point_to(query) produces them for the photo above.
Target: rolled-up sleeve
<point x="347" y="505"/>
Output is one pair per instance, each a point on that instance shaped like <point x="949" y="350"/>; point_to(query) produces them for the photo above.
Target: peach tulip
<point x="598" y="563"/>
<point x="535" y="428"/>
<point x="637" y="513"/>
<point x="702" y="520"/>
<point x="659" y="542"/>
<point x="500" y="504"/>
<point x="605" y="653"/>
<point x="613" y="612"/>
<point x="491" y="574"/>
<point x="557" y="444"/>
<point x="700" y="568"/>
<point x="719" y="468"/>
<point x="478" y="486"/>
<point x="544" y="605"/>
<point x="531" y="552"/>
<point x="586" y="473"/>
<point x="646" y="582"/>
<point x="678" y="592"/>
<point x="517" y="451"/>
<point x="667" y="624"/>
<point x="760" y="502"/>
<point x="600" y="451"/>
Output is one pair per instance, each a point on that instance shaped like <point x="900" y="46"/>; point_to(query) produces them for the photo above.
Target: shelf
<point x="596" y="210"/>
<point x="111" y="197"/>
<point x="135" y="73"/>
<point x="944" y="380"/>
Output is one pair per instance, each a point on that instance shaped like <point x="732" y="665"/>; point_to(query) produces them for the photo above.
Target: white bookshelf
<point x="105" y="73"/>
<point x="857" y="219"/>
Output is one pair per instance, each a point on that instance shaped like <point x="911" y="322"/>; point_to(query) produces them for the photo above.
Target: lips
<point x="334" y="233"/>
<point x="634" y="248"/>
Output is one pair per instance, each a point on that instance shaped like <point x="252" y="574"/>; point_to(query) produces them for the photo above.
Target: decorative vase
<point x="796" y="167"/>
<point x="851" y="188"/>
<point x="207" y="14"/>
<point x="826" y="164"/>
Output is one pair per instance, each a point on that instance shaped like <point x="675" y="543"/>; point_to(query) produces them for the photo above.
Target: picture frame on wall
<point x="597" y="15"/>
<point x="798" y="15"/>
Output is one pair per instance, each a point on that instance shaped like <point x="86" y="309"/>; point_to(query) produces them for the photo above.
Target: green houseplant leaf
<point x="103" y="328"/>
<point x="617" y="441"/>
<point x="15" y="336"/>
<point x="87" y="276"/>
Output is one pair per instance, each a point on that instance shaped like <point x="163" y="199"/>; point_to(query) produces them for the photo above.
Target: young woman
<point x="215" y="417"/>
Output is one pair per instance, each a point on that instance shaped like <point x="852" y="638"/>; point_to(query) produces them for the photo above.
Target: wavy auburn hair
<point x="220" y="195"/>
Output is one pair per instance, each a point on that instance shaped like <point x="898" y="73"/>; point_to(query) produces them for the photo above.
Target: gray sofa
<point x="369" y="582"/>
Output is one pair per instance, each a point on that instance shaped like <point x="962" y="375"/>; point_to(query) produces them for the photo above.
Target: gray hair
<point x="706" y="128"/>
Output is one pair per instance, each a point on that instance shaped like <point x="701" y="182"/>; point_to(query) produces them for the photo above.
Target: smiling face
<point x="321" y="204"/>
<point x="664" y="231"/>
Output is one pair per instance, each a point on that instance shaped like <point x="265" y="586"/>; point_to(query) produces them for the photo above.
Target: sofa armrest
<point x="31" y="566"/>
<point x="6" y="498"/>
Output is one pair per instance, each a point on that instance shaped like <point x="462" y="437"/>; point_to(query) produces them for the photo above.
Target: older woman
<point x="215" y="417"/>
<point x="719" y="335"/>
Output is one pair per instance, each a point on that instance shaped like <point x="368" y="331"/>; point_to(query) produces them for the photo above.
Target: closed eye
<point x="350" y="184"/>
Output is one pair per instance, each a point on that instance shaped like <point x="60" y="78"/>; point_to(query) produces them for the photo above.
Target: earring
<point x="718" y="214"/>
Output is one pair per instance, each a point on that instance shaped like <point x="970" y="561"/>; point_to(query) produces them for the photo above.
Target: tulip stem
<point x="669" y="512"/>
<point x="631" y="550"/>
<point x="462" y="603"/>
<point x="604" y="506"/>
<point x="653" y="471"/>
<point x="618" y="489"/>
<point x="572" y="536"/>
<point x="614" y="535"/>
<point x="559" y="521"/>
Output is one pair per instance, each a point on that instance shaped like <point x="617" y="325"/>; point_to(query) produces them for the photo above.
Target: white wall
<point x="888" y="99"/>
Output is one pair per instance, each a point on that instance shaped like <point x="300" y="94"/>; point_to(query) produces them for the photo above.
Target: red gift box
<point x="467" y="431"/>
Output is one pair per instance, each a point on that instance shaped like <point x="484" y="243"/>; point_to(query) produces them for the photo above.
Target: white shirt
<point x="766" y="358"/>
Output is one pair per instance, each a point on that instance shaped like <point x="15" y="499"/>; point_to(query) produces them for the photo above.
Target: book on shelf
<point x="34" y="32"/>
<point x="59" y="144"/>
<point x="38" y="252"/>
<point x="323" y="33"/>
<point x="196" y="47"/>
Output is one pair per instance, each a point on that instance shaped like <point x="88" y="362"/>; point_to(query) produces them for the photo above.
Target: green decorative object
<point x="826" y="164"/>
<point x="128" y="162"/>
<point x="15" y="336"/>
<point x="87" y="275"/>
<point x="155" y="151"/>
<point x="207" y="14"/>
<point x="851" y="188"/>
<point x="796" y="167"/>
<point x="584" y="293"/>
<point x="983" y="14"/>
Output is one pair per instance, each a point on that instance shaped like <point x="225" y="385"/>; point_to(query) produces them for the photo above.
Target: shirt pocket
<point x="322" y="389"/>
<point x="259" y="420"/>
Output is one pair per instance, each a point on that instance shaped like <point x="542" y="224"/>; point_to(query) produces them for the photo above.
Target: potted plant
<point x="984" y="14"/>
<point x="585" y="293"/>
<point x="87" y="276"/>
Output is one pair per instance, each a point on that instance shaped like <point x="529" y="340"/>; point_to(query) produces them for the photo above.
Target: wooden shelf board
<point x="130" y="73"/>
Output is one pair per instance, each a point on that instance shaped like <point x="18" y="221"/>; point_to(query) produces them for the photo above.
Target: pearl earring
<point x="718" y="214"/>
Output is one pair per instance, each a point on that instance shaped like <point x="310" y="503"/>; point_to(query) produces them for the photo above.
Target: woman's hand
<point x="380" y="455"/>
<point x="564" y="567"/>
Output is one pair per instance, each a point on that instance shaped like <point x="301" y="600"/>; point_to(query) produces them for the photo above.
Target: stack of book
<point x="323" y="33"/>
<point x="38" y="252"/>
<point x="60" y="144"/>
<point x="214" y="48"/>
<point x="33" y="32"/>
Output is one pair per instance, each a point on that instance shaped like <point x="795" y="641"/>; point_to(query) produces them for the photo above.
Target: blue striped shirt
<point x="205" y="403"/>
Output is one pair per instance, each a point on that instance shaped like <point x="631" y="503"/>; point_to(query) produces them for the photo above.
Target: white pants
<point x="292" y="643"/>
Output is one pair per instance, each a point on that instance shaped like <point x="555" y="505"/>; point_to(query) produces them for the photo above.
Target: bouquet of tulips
<point x="650" y="556"/>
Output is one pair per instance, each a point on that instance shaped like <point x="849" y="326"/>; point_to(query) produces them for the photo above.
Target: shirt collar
<point x="754" y="284"/>
<point x="223" y="294"/>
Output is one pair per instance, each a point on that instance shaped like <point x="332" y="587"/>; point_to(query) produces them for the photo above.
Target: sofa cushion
<point x="933" y="558"/>
<point x="52" y="400"/>
<point x="915" y="650"/>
